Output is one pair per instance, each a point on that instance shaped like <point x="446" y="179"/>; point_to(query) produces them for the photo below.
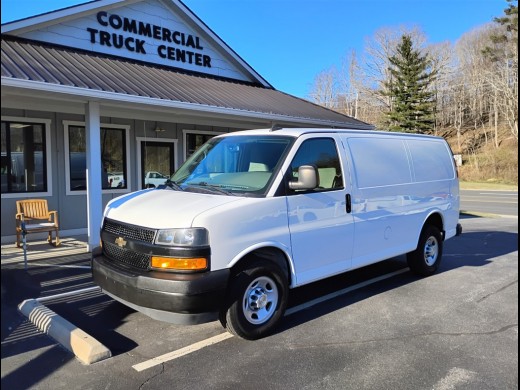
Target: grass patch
<point x="473" y="185"/>
<point x="464" y="213"/>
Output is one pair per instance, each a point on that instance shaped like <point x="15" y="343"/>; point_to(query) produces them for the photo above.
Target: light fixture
<point x="158" y="129"/>
<point x="19" y="125"/>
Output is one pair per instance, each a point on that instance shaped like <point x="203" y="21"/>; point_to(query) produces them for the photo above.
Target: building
<point x="97" y="97"/>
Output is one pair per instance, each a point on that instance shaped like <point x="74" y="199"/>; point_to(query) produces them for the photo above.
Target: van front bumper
<point x="172" y="297"/>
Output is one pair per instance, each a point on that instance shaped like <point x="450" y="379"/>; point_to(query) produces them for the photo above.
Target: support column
<point x="94" y="167"/>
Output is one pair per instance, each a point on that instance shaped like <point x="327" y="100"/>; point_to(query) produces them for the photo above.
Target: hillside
<point x="482" y="160"/>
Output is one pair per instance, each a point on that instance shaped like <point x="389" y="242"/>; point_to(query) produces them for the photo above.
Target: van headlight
<point x="182" y="237"/>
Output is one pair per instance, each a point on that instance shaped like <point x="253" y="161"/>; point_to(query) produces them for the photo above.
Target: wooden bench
<point x="36" y="216"/>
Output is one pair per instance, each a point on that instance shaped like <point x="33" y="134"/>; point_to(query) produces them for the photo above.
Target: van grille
<point x="125" y="256"/>
<point x="129" y="231"/>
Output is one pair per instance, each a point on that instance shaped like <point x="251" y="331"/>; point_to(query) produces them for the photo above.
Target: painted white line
<point x="224" y="336"/>
<point x="181" y="352"/>
<point x="336" y="294"/>
<point x="67" y="294"/>
<point x="61" y="266"/>
<point x="59" y="281"/>
<point x="477" y="200"/>
<point x="456" y="377"/>
<point x="494" y="194"/>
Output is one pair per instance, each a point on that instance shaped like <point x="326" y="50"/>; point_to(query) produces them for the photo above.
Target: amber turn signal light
<point x="174" y="263"/>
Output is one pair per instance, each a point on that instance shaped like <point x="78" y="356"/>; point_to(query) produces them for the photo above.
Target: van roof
<point x="297" y="132"/>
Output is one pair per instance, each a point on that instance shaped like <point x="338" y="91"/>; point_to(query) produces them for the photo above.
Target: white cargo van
<point x="254" y="213"/>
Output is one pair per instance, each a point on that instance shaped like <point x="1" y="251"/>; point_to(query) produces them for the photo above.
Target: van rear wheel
<point x="256" y="301"/>
<point x="426" y="259"/>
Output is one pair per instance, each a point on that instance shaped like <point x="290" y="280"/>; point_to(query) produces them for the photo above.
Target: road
<point x="492" y="202"/>
<point x="379" y="327"/>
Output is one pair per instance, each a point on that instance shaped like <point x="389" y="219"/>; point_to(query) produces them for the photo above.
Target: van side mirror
<point x="307" y="178"/>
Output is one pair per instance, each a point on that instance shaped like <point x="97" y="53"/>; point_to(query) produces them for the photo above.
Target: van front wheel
<point x="257" y="301"/>
<point x="425" y="260"/>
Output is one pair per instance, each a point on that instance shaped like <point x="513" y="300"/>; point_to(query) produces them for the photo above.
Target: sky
<point x="289" y="42"/>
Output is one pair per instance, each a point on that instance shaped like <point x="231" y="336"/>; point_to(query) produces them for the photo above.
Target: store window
<point x="195" y="139"/>
<point x="113" y="157"/>
<point x="23" y="157"/>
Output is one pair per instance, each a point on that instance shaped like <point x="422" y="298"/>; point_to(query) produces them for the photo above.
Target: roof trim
<point x="30" y="23"/>
<point x="210" y="32"/>
<point x="90" y="94"/>
<point x="50" y="18"/>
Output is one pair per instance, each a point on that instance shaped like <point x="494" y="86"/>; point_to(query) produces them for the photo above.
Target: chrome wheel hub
<point x="260" y="300"/>
<point x="431" y="251"/>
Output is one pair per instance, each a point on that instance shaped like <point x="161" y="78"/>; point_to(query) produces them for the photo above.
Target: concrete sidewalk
<point x="40" y="249"/>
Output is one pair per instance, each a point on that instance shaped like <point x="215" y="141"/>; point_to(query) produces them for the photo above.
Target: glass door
<point x="157" y="162"/>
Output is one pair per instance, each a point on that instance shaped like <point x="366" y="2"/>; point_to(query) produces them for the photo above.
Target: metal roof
<point x="52" y="65"/>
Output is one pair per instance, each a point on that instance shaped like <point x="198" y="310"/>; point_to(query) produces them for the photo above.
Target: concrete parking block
<point x="86" y="348"/>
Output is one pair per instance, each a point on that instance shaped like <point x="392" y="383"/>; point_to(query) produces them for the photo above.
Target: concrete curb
<point x="86" y="348"/>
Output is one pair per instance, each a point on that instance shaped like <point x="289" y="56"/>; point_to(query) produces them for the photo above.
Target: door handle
<point x="348" y="202"/>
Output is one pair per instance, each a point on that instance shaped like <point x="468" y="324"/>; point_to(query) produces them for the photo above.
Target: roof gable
<point x="161" y="32"/>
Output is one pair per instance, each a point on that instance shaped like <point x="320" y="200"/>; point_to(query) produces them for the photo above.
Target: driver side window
<point x="322" y="154"/>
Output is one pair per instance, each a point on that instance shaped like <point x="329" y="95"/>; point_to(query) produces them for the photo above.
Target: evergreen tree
<point x="505" y="40"/>
<point x="412" y="103"/>
<point x="510" y="22"/>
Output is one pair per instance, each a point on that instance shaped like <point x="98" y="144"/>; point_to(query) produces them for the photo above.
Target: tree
<point x="324" y="88"/>
<point x="503" y="75"/>
<point x="371" y="73"/>
<point x="412" y="105"/>
<point x="508" y="35"/>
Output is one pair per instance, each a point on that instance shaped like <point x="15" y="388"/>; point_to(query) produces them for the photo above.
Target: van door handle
<point x="348" y="202"/>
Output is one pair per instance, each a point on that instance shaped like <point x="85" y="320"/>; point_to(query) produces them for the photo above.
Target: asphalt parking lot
<point x="379" y="327"/>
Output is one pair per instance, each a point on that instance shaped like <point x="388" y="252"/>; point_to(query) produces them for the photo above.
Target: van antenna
<point x="276" y="128"/>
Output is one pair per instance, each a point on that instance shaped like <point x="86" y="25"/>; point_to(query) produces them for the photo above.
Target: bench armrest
<point x="53" y="217"/>
<point x="19" y="218"/>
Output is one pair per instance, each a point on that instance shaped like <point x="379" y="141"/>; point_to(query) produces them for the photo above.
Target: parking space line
<point x="224" y="336"/>
<point x="327" y="297"/>
<point x="61" y="265"/>
<point x="69" y="293"/>
<point x="181" y="352"/>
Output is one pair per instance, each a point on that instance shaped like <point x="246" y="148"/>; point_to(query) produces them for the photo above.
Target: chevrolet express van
<point x="253" y="214"/>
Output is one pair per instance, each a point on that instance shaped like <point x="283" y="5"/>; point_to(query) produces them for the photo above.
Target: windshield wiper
<point x="212" y="187"/>
<point x="171" y="184"/>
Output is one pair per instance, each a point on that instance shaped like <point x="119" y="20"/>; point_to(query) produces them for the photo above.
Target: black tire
<point x="256" y="301"/>
<point x="426" y="259"/>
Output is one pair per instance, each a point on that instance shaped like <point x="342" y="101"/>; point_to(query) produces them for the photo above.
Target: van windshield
<point x="239" y="165"/>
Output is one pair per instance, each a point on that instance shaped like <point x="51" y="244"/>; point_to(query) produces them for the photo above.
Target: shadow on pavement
<point x="472" y="249"/>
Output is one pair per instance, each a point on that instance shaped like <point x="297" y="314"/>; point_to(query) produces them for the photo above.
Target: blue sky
<point x="289" y="42"/>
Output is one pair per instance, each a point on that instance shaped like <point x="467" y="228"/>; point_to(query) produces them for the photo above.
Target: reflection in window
<point x="113" y="157"/>
<point x="195" y="141"/>
<point x="23" y="157"/>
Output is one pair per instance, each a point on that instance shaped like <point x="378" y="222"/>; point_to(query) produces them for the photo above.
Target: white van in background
<point x="254" y="213"/>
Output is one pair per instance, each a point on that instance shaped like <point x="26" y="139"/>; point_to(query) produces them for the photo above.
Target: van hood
<point x="163" y="208"/>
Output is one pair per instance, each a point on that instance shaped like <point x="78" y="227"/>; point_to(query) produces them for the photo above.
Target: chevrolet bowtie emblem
<point x="120" y="241"/>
